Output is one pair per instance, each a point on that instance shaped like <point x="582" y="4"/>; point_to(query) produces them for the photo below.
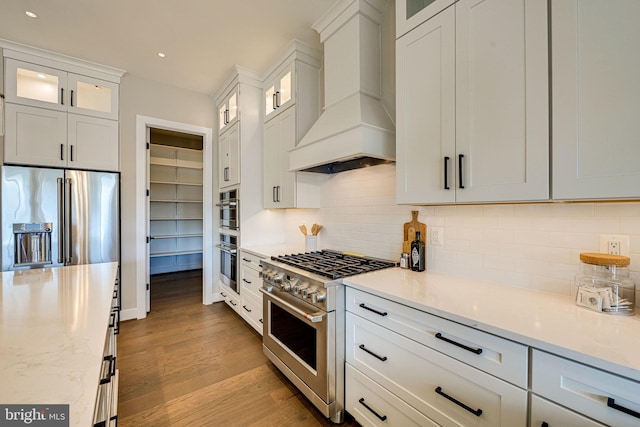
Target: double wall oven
<point x="229" y="210"/>
<point x="303" y="312"/>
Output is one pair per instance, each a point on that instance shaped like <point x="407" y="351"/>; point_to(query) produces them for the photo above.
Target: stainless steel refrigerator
<point x="56" y="217"/>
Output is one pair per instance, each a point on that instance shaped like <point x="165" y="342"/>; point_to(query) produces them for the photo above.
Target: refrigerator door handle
<point x="61" y="224"/>
<point x="67" y="227"/>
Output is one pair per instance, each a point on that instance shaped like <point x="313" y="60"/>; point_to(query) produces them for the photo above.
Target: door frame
<point x="142" y="220"/>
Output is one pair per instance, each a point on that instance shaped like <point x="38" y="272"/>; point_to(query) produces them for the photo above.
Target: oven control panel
<point x="301" y="287"/>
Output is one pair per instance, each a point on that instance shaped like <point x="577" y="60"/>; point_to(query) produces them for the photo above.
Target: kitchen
<point x="533" y="246"/>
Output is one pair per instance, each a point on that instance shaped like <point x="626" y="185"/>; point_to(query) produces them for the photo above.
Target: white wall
<point x="140" y="96"/>
<point x="534" y="246"/>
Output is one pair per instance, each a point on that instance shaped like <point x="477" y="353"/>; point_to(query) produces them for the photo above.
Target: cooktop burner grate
<point x="333" y="265"/>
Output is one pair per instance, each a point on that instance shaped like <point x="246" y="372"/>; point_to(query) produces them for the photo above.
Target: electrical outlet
<point x="437" y="236"/>
<point x="616" y="244"/>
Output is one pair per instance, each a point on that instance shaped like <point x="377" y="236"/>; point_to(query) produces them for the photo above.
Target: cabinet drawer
<point x="250" y="260"/>
<point x="547" y="414"/>
<point x="497" y="356"/>
<point x="372" y="405"/>
<point x="600" y="395"/>
<point x="444" y="389"/>
<point x="251" y="310"/>
<point x="250" y="280"/>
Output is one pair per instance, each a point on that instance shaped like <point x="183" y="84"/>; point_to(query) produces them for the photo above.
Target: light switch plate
<point x="437" y="236"/>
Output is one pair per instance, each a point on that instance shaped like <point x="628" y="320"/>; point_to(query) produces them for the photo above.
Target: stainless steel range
<point x="303" y="333"/>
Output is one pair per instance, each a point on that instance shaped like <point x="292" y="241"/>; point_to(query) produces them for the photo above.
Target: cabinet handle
<point x="246" y="281"/>
<point x="278" y="194"/>
<point x="223" y="295"/>
<point x="233" y="303"/>
<point x="460" y="157"/>
<point x="273" y="194"/>
<point x="71" y="152"/>
<point x="278" y="99"/>
<point x="275" y="100"/>
<point x="61" y="151"/>
<point x="381" y="313"/>
<point x="246" y="309"/>
<point x="72" y="97"/>
<point x="261" y="321"/>
<point x="380" y="417"/>
<point x="446" y="173"/>
<point x="457" y="344"/>
<point x="611" y="403"/>
<point x="61" y="96"/>
<point x="246" y="259"/>
<point x="476" y="412"/>
<point x="381" y="358"/>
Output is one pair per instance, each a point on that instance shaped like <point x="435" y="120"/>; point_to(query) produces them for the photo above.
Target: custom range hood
<point x="354" y="129"/>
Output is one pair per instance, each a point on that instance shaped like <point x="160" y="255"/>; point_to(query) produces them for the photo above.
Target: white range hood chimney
<point x="354" y="129"/>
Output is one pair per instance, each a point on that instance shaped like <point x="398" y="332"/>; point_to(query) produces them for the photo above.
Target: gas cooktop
<point x="333" y="264"/>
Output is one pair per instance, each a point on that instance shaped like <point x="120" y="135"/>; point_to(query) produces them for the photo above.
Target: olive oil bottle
<point x="417" y="254"/>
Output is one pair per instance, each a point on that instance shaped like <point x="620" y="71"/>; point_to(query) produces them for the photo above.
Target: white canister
<point x="310" y="243"/>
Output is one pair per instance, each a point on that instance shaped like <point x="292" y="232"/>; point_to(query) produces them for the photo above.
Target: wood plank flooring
<point x="188" y="364"/>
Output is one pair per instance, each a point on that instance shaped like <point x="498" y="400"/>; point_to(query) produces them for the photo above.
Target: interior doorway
<point x="174" y="184"/>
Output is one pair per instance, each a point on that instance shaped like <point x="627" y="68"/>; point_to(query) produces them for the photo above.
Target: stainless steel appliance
<point x="303" y="332"/>
<point x="229" y="210"/>
<point x="229" y="261"/>
<point x="55" y="217"/>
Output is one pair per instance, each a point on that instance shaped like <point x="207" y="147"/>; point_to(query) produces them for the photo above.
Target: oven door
<point x="298" y="333"/>
<point x="229" y="261"/>
<point x="229" y="208"/>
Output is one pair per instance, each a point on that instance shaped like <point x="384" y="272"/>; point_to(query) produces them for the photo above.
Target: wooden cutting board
<point x="409" y="231"/>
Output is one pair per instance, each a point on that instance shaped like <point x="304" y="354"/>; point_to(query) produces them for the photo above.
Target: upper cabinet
<point x="472" y="104"/>
<point x="595" y="99"/>
<point x="228" y="110"/>
<point x="239" y="130"/>
<point x="292" y="105"/>
<point x="45" y="87"/>
<point x="279" y="93"/>
<point x="60" y="114"/>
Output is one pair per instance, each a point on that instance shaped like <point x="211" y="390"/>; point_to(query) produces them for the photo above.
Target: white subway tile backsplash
<point x="526" y="245"/>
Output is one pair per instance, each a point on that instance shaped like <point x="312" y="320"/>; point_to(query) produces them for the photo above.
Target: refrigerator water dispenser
<point x="32" y="244"/>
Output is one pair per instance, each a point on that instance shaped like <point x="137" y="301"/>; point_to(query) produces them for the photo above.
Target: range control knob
<point x="308" y="291"/>
<point x="317" y="297"/>
<point x="285" y="286"/>
<point x="300" y="288"/>
<point x="278" y="278"/>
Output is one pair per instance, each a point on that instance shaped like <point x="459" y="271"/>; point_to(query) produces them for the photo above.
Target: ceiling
<point x="203" y="39"/>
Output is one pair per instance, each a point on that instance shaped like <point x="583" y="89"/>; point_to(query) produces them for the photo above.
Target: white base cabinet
<point x="396" y="370"/>
<point x="250" y="296"/>
<point x="548" y="414"/>
<point x="231" y="298"/>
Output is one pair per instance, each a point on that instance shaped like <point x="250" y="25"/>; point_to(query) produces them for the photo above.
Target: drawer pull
<point x="381" y="313"/>
<point x="246" y="281"/>
<point x="380" y="417"/>
<point x="382" y="358"/>
<point x="457" y="344"/>
<point x="246" y="309"/>
<point x="476" y="412"/>
<point x="246" y="259"/>
<point x="611" y="403"/>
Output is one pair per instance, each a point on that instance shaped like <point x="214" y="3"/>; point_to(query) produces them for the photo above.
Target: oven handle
<point x="227" y="249"/>
<point x="314" y="318"/>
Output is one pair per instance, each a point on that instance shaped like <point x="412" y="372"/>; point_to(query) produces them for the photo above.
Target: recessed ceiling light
<point x="162" y="55"/>
<point x="31" y="14"/>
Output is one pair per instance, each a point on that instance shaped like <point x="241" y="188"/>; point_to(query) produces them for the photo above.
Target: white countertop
<point x="543" y="320"/>
<point x="53" y="328"/>
<point x="274" y="249"/>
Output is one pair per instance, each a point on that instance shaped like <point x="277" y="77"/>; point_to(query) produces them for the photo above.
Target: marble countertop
<point x="543" y="320"/>
<point x="53" y="327"/>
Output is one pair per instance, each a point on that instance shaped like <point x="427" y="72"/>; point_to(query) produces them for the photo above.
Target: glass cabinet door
<point x="284" y="94"/>
<point x="232" y="107"/>
<point x="92" y="96"/>
<point x="34" y="85"/>
<point x="411" y="13"/>
<point x="270" y="101"/>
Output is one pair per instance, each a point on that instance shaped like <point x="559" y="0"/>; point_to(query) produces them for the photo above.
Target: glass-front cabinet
<point x="280" y="93"/>
<point x="411" y="13"/>
<point x="40" y="86"/>
<point x="228" y="111"/>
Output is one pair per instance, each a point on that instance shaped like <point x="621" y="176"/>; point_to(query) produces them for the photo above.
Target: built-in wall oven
<point x="229" y="227"/>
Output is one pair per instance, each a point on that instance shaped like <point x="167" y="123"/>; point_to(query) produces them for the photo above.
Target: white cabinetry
<point x="547" y="414"/>
<point x="595" y="95"/>
<point x="175" y="208"/>
<point x="607" y="398"/>
<point x="411" y="13"/>
<point x="250" y="296"/>
<point x="424" y="369"/>
<point x="473" y="104"/>
<point x="229" y="152"/>
<point x="59" y="118"/>
<point x="292" y="103"/>
<point x="228" y="110"/>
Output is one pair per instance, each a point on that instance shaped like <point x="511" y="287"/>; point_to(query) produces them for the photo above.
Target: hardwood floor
<point x="188" y="364"/>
